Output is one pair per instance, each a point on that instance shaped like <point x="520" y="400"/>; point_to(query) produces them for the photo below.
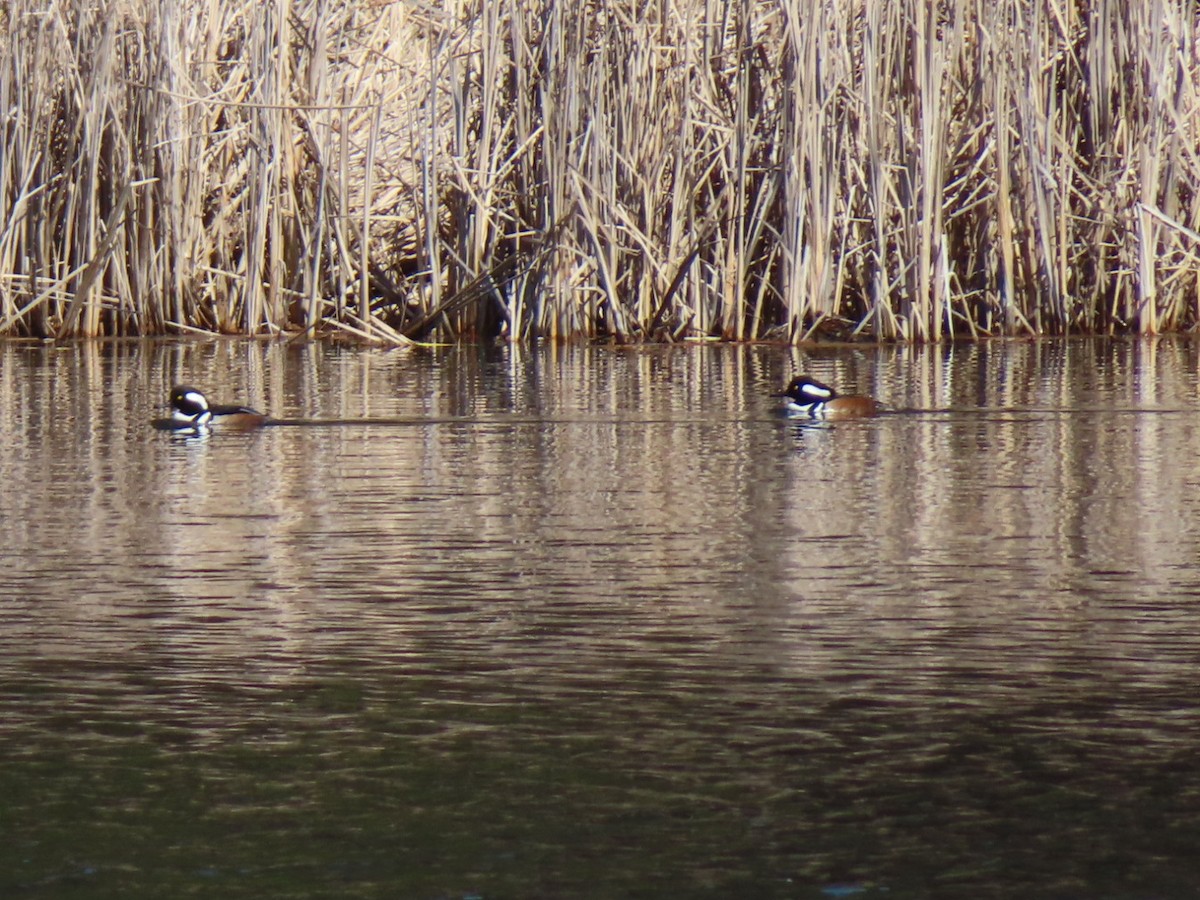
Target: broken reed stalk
<point x="745" y="169"/>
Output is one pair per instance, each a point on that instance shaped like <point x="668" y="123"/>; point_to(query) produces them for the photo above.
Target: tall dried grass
<point x="744" y="169"/>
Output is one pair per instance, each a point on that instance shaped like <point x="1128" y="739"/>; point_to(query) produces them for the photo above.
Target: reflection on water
<point x="604" y="626"/>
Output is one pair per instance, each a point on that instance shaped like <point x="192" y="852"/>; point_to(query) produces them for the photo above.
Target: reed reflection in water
<point x="607" y="626"/>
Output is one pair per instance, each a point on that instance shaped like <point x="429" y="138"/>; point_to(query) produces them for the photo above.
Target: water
<point x="600" y="624"/>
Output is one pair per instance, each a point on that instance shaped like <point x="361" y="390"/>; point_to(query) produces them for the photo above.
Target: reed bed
<point x="737" y="169"/>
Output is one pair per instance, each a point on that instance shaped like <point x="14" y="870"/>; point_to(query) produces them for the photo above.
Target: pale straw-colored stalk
<point x="741" y="169"/>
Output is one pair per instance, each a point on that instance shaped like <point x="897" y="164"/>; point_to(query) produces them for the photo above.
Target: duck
<point x="191" y="411"/>
<point x="807" y="396"/>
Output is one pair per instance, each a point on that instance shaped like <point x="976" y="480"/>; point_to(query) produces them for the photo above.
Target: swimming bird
<point x="807" y="396"/>
<point x="191" y="411"/>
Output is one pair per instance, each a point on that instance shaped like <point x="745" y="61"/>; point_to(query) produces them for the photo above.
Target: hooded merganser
<point x="191" y="411"/>
<point x="808" y="397"/>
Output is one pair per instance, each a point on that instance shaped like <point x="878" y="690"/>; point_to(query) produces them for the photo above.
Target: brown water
<point x="600" y="624"/>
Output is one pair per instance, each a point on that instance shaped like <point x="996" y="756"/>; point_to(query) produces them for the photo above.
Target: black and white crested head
<point x="189" y="406"/>
<point x="809" y="395"/>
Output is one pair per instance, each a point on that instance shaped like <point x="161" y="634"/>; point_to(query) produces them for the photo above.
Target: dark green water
<point x="606" y="626"/>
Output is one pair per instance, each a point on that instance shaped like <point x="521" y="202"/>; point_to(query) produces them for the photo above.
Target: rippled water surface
<point x="596" y="622"/>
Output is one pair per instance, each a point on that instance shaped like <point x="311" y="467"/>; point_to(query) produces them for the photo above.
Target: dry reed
<point x="743" y="169"/>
